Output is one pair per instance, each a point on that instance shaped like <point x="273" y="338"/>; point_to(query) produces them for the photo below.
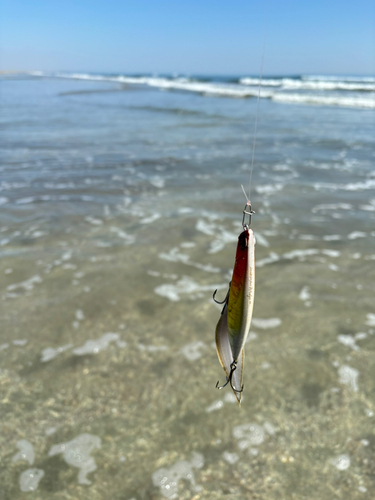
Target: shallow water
<point x="120" y="211"/>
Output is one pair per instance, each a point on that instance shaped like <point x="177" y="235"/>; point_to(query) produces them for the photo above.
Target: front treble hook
<point x="233" y="367"/>
<point x="226" y="297"/>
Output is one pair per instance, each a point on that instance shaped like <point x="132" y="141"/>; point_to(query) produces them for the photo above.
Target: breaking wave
<point x="348" y="92"/>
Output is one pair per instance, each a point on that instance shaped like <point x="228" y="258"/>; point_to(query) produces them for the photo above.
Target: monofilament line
<point x="244" y="192"/>
<point x="258" y="98"/>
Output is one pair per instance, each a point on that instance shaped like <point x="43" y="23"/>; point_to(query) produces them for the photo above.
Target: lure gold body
<point x="235" y="320"/>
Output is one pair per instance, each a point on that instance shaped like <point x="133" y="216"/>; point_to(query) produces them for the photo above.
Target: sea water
<point x="121" y="205"/>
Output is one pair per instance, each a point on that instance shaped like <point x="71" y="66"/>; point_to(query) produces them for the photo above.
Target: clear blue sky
<point x="189" y="36"/>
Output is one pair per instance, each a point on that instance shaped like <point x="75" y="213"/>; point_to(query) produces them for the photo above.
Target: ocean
<point x="120" y="209"/>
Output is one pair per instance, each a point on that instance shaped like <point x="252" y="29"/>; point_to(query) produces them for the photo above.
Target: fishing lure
<point x="234" y="323"/>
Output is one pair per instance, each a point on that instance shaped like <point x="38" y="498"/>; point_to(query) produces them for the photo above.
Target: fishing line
<point x="244" y="192"/>
<point x="257" y="106"/>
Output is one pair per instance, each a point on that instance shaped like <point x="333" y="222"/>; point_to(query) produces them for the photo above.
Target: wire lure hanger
<point x="247" y="211"/>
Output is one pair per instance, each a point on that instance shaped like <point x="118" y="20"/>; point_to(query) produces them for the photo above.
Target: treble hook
<point x="226" y="297"/>
<point x="233" y="367"/>
<point x="248" y="212"/>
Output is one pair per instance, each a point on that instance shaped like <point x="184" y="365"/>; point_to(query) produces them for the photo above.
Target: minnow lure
<point x="234" y="323"/>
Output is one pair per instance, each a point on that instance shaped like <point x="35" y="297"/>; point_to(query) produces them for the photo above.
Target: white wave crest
<point x="346" y="102"/>
<point x="311" y="84"/>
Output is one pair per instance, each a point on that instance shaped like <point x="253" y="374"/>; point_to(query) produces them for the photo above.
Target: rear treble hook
<point x="233" y="367"/>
